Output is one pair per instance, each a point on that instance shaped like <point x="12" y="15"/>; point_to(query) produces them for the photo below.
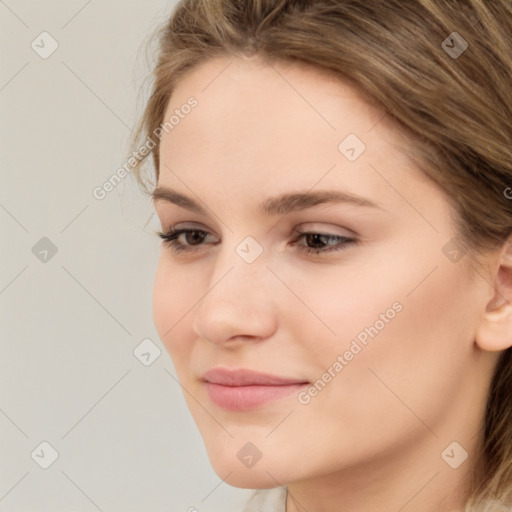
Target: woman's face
<point x="375" y="333"/>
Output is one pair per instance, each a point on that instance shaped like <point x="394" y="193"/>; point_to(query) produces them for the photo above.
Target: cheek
<point x="417" y="361"/>
<point x="173" y="300"/>
<point x="397" y="320"/>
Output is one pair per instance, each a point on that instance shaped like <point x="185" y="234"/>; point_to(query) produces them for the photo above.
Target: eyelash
<point x="170" y="239"/>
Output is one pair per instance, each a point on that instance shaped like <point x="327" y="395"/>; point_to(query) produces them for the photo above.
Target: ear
<point x="495" y="330"/>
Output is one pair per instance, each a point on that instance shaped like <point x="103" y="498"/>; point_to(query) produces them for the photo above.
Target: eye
<point x="322" y="242"/>
<point x="183" y="239"/>
<point x="189" y="239"/>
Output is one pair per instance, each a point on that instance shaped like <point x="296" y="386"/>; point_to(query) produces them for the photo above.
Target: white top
<point x="267" y="500"/>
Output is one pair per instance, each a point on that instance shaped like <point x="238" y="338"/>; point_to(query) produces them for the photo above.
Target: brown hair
<point x="454" y="108"/>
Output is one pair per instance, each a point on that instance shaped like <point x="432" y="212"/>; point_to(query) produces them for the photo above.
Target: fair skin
<point x="372" y="439"/>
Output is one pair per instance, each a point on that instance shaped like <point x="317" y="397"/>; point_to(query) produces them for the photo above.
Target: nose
<point x="239" y="304"/>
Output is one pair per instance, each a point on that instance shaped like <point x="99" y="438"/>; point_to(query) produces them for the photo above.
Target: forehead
<point x="249" y="86"/>
<point x="253" y="112"/>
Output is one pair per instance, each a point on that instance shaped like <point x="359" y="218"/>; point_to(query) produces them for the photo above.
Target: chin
<point x="263" y="474"/>
<point x="247" y="479"/>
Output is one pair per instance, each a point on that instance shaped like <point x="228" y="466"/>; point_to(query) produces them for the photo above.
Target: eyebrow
<point x="279" y="205"/>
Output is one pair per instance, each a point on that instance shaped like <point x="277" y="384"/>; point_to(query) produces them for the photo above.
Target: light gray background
<point x="69" y="324"/>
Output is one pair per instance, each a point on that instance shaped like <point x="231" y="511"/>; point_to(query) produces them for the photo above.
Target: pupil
<point x="194" y="236"/>
<point x="316" y="239"/>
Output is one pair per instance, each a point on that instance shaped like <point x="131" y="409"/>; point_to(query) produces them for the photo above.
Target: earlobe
<point x="495" y="331"/>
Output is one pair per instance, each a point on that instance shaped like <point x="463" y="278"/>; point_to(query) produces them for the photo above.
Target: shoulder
<point x="267" y="500"/>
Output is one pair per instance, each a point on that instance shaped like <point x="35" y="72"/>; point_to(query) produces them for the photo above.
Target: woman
<point x="333" y="180"/>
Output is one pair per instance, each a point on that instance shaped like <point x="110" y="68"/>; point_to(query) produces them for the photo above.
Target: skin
<point x="372" y="438"/>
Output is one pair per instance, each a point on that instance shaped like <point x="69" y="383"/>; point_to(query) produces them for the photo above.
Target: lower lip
<point x="245" y="398"/>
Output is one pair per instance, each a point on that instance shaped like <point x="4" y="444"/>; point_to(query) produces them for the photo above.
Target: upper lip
<point x="245" y="377"/>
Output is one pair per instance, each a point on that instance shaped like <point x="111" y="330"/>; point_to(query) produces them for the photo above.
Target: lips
<point x="245" y="377"/>
<point x="243" y="389"/>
